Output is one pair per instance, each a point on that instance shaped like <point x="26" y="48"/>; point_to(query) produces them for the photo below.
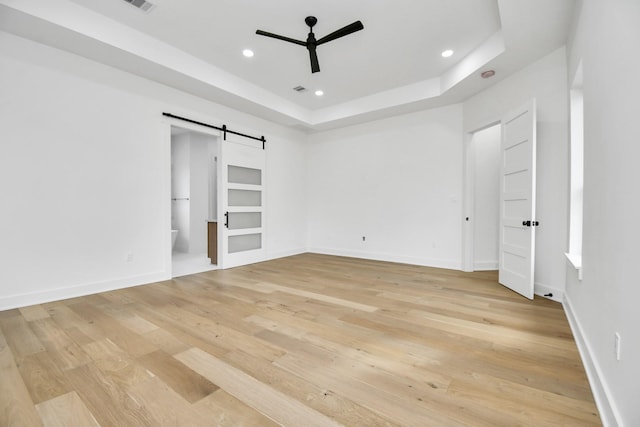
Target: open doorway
<point x="517" y="204"/>
<point x="483" y="199"/>
<point x="486" y="148"/>
<point x="194" y="200"/>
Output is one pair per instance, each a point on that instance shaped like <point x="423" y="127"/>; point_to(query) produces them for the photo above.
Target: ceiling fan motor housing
<point x="311" y="21"/>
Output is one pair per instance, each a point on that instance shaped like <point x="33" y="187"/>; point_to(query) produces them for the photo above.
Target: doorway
<point x="194" y="200"/>
<point x="486" y="195"/>
<point x="516" y="208"/>
<point x="481" y="233"/>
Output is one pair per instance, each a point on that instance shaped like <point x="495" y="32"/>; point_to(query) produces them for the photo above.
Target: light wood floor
<point x="309" y="340"/>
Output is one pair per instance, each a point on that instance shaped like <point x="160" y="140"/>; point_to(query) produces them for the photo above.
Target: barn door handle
<point x="226" y="219"/>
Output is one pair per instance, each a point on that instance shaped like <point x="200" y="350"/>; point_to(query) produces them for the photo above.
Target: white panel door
<point x="241" y="217"/>
<point x="517" y="200"/>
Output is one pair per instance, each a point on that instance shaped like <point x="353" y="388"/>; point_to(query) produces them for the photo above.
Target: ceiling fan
<point x="311" y="42"/>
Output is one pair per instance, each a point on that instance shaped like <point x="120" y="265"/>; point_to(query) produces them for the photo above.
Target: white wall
<point x="85" y="175"/>
<point x="606" y="300"/>
<point x="486" y="182"/>
<point x="286" y="194"/>
<point x="544" y="80"/>
<point x="396" y="181"/>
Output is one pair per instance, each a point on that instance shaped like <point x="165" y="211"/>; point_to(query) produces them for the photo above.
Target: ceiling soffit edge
<point x="103" y="30"/>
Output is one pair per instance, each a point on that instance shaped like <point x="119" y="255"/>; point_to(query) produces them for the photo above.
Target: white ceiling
<point x="392" y="66"/>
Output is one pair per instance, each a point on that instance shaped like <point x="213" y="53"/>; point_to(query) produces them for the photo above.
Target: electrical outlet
<point x="617" y="344"/>
<point x="129" y="257"/>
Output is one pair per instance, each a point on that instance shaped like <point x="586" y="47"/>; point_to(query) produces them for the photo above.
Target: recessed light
<point x="447" y="53"/>
<point x="248" y="53"/>
<point x="319" y="93"/>
<point x="487" y="74"/>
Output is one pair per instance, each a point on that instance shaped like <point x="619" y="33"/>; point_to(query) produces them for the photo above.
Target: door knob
<point x="526" y="223"/>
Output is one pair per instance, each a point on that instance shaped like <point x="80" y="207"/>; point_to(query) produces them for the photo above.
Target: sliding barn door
<point x="518" y="200"/>
<point x="242" y="219"/>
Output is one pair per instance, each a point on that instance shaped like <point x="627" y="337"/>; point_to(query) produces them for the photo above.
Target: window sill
<point x="576" y="261"/>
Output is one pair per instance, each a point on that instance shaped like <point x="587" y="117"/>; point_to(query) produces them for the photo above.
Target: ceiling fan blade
<point x="279" y="37"/>
<point x="313" y="56"/>
<point x="344" y="31"/>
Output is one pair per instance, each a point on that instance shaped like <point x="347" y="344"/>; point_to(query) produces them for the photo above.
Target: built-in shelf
<point x="576" y="261"/>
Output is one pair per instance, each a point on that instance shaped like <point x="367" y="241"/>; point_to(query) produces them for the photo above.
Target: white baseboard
<point x="24" y="300"/>
<point x="608" y="412"/>
<point x="485" y="266"/>
<point x="543" y="290"/>
<point x="284" y="254"/>
<point x="40" y="297"/>
<point x="437" y="263"/>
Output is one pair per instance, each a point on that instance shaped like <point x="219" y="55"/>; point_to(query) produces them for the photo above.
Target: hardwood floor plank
<point x="493" y="333"/>
<point x="220" y="335"/>
<point x="305" y="340"/>
<point x="456" y="353"/>
<point x="319" y="349"/>
<point x="226" y="411"/>
<point x="126" y="316"/>
<point x="83" y="331"/>
<point x="182" y="332"/>
<point x="158" y="298"/>
<point x="7" y="314"/>
<point x="427" y="391"/>
<point x="525" y="403"/>
<point x="62" y="349"/>
<point x="42" y="377"/>
<point x="166" y="342"/>
<point x="109" y="403"/>
<point x="116" y="364"/>
<point x="129" y="341"/>
<point x="67" y="410"/>
<point x="320" y="297"/>
<point x="396" y="408"/>
<point x="281" y="408"/>
<point x="16" y="406"/>
<point x="34" y="312"/>
<point x="19" y="336"/>
<point x="321" y="399"/>
<point x="477" y="311"/>
<point x="165" y="407"/>
<point x="361" y="342"/>
<point x="184" y="381"/>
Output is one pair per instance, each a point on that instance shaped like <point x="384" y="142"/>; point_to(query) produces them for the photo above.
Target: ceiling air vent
<point x="300" y="89"/>
<point x="143" y="5"/>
